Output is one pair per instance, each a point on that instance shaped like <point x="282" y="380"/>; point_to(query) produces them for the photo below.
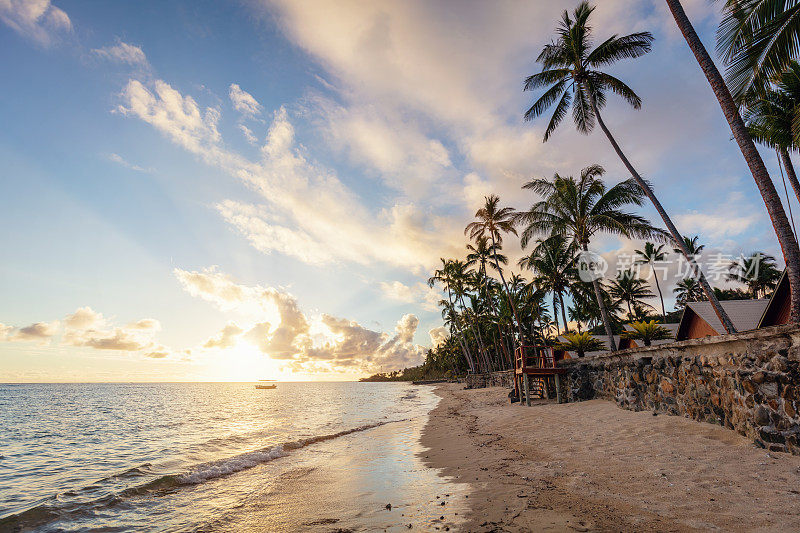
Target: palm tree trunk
<point x="555" y="313"/>
<point x="563" y="312"/>
<point x="475" y="330"/>
<point x="508" y="292"/>
<point x="789" y="247"/>
<point x="676" y="236"/>
<point x="464" y="348"/>
<point x="630" y="312"/>
<point x="661" y="296"/>
<point x="603" y="311"/>
<point x="787" y="164"/>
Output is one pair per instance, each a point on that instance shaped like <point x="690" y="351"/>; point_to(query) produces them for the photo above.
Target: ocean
<point x="220" y="457"/>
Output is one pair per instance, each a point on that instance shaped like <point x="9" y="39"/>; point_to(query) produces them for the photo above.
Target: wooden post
<point x="558" y="388"/>
<point x="527" y="390"/>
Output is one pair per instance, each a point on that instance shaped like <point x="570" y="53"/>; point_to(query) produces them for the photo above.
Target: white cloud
<point x="285" y="333"/>
<point x="42" y="332"/>
<point x="225" y="338"/>
<point x="123" y="52"/>
<point x="307" y="212"/>
<point x="727" y="218"/>
<point x="248" y="134"/>
<point x="38" y="20"/>
<point x="5" y="332"/>
<point x="116" y="158"/>
<point x="420" y="293"/>
<point x="243" y="101"/>
<point x="438" y="335"/>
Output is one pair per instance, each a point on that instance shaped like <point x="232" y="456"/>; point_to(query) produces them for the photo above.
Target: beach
<point x="591" y="466"/>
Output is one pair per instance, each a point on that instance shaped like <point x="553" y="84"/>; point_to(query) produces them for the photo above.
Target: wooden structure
<point x="535" y="367"/>
<point x="699" y="319"/>
<point x="780" y="306"/>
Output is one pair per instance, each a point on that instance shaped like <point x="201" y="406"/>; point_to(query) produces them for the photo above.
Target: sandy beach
<point x="592" y="466"/>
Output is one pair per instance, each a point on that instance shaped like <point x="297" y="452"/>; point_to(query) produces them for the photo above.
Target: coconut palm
<point x="570" y="68"/>
<point x="579" y="209"/>
<point x="551" y="262"/>
<point x="445" y="278"/>
<point x="687" y="290"/>
<point x="492" y="221"/>
<point x="777" y="215"/>
<point x="629" y="290"/>
<point x="773" y="119"/>
<point x="692" y="245"/>
<point x="650" y="255"/>
<point x="757" y="271"/>
<point x="757" y="39"/>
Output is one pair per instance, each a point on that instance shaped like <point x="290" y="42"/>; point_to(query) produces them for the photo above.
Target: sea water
<point x="220" y="456"/>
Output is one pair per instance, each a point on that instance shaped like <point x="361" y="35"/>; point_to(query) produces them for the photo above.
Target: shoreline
<point x="592" y="466"/>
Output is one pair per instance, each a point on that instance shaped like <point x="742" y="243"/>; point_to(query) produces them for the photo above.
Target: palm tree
<point x="692" y="245"/>
<point x="579" y="209"/>
<point x="773" y="119"/>
<point x="449" y="313"/>
<point x="570" y="68"/>
<point x="580" y="343"/>
<point x="650" y="255"/>
<point x="757" y="40"/>
<point x="789" y="247"/>
<point x="647" y="332"/>
<point x="492" y="221"/>
<point x="551" y="262"/>
<point x="630" y="290"/>
<point x="687" y="290"/>
<point x="757" y="271"/>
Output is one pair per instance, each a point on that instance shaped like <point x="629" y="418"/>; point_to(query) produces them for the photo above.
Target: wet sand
<point x="592" y="466"/>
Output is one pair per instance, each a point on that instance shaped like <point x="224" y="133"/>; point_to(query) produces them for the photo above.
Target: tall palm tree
<point x="492" y="221"/>
<point x="789" y="246"/>
<point x="449" y="313"/>
<point x="630" y="290"/>
<point x="459" y="281"/>
<point x="570" y="68"/>
<point x="773" y="119"/>
<point x="551" y="262"/>
<point x="757" y="271"/>
<point x="757" y="39"/>
<point x="579" y="209"/>
<point x="687" y="290"/>
<point x="650" y="255"/>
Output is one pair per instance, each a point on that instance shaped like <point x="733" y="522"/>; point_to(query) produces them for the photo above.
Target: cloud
<point x="728" y="218"/>
<point x="419" y="293"/>
<point x="244" y="102"/>
<point x="123" y="52"/>
<point x="39" y="331"/>
<point x="145" y="324"/>
<point x="116" y="158"/>
<point x="84" y="318"/>
<point x="38" y="20"/>
<point x="438" y="335"/>
<point x="225" y="338"/>
<point x="285" y="333"/>
<point x="5" y="332"/>
<point x="307" y="212"/>
<point x="248" y="134"/>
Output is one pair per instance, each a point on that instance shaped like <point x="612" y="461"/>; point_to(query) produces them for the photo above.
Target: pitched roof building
<point x="699" y="319"/>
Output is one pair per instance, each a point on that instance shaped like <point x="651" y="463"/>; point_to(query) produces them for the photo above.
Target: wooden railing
<point x="534" y="357"/>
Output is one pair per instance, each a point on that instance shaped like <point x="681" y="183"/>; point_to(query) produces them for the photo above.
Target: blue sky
<point x="270" y="183"/>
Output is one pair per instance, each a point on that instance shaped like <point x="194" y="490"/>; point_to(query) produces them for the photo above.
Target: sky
<point x="196" y="190"/>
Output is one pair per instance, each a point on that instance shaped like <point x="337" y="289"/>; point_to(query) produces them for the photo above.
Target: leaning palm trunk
<point x="464" y="345"/>
<point x="603" y="311"/>
<point x="508" y="292"/>
<point x="475" y="328"/>
<point x="563" y="312"/>
<point x="787" y="164"/>
<point x="676" y="236"/>
<point x="789" y="247"/>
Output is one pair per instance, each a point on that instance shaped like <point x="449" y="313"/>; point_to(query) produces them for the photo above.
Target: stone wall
<point x="748" y="382"/>
<point x="503" y="378"/>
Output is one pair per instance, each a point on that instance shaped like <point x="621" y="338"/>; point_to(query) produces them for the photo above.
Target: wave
<point x="64" y="507"/>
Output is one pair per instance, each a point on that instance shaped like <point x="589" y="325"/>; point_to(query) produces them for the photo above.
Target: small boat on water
<point x="266" y="386"/>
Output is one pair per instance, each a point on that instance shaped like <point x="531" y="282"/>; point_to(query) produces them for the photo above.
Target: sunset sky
<point x="233" y="191"/>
